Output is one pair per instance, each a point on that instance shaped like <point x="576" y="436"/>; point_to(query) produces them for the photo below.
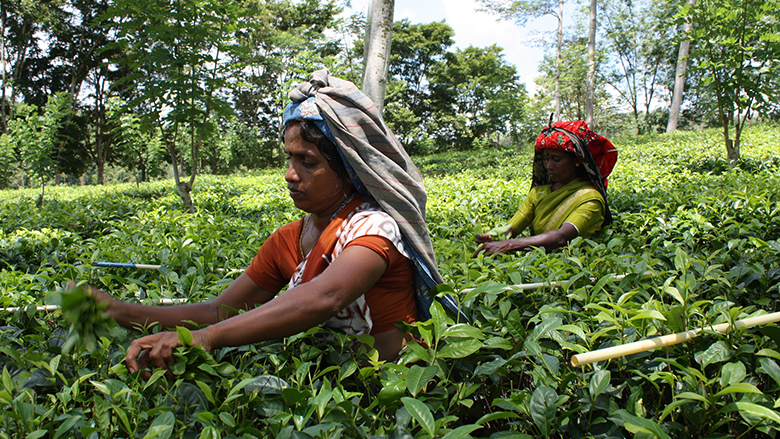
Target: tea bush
<point x="693" y="244"/>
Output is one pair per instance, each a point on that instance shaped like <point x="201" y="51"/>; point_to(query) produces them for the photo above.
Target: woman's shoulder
<point x="369" y="219"/>
<point x="579" y="183"/>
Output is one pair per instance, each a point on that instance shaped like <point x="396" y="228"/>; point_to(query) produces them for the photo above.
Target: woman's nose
<point x="290" y="175"/>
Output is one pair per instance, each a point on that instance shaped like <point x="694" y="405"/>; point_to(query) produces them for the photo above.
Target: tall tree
<point x="417" y="49"/>
<point x="475" y="95"/>
<point x="679" y="76"/>
<point x="283" y="42"/>
<point x="737" y="49"/>
<point x="181" y="51"/>
<point x="376" y="52"/>
<point x="591" y="80"/>
<point x="522" y="11"/>
<point x="637" y="34"/>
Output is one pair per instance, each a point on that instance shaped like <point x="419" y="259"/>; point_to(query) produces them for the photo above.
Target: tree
<point x="737" y="49"/>
<point x="181" y="53"/>
<point x="283" y="43"/>
<point x="417" y="49"/>
<point x="376" y="52"/>
<point x="637" y="35"/>
<point x="475" y="96"/>
<point x="679" y="77"/>
<point x="591" y="80"/>
<point x="26" y="27"/>
<point x="137" y="148"/>
<point x="35" y="136"/>
<point x="522" y="11"/>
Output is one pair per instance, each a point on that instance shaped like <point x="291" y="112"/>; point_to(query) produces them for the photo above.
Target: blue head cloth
<point x="307" y="110"/>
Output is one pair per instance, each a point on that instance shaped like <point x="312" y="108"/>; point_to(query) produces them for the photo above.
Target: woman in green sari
<point x="568" y="196"/>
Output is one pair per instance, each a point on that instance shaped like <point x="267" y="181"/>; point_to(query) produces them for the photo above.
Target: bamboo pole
<point x="667" y="340"/>
<point x="555" y="283"/>
<point x="147" y="266"/>
<point x="56" y="307"/>
<point x="126" y="265"/>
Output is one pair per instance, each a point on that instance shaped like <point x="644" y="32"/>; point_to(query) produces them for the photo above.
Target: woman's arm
<point x="356" y="270"/>
<point x="242" y="293"/>
<point x="549" y="240"/>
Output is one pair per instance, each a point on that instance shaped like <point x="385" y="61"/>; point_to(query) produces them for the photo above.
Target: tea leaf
<point x="753" y="409"/>
<point x="542" y="407"/>
<point x="418" y="377"/>
<point x="421" y="413"/>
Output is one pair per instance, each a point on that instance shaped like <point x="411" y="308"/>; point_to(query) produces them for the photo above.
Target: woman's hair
<point x="312" y="134"/>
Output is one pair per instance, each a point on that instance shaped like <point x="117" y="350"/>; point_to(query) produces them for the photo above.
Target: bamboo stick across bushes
<point x="667" y="340"/>
<point x="555" y="283"/>
<point x="56" y="307"/>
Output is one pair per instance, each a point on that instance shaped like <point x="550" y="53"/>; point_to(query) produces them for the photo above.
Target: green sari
<point x="578" y="203"/>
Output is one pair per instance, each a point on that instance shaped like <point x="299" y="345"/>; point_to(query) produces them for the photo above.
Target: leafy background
<point x="694" y="242"/>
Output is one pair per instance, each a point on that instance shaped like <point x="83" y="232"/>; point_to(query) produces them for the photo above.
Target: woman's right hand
<point x="483" y="237"/>
<point x="101" y="296"/>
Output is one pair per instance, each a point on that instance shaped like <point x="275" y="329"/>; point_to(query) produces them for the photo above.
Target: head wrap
<point x="595" y="152"/>
<point x="378" y="166"/>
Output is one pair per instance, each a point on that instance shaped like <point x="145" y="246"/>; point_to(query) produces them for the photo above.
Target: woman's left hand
<point x="157" y="349"/>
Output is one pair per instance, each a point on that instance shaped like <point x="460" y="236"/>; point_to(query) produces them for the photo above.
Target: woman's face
<point x="561" y="165"/>
<point x="314" y="187"/>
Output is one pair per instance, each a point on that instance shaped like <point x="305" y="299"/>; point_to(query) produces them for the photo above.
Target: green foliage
<point x="35" y="136"/>
<point x="88" y="322"/>
<point x="694" y="243"/>
<point x="736" y="49"/>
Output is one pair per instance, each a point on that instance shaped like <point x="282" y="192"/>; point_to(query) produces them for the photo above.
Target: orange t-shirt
<point x="390" y="300"/>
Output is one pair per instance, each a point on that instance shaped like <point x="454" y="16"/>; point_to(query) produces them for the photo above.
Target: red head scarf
<point x="601" y="149"/>
<point x="596" y="153"/>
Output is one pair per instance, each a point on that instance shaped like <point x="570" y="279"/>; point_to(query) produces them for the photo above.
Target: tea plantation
<point x="694" y="244"/>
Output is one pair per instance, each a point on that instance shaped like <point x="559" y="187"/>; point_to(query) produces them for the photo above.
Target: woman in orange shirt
<point x="358" y="261"/>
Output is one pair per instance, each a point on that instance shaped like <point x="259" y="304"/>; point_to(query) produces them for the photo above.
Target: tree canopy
<point x="206" y="81"/>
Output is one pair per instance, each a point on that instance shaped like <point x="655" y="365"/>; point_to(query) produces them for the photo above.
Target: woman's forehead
<point x="552" y="151"/>
<point x="295" y="144"/>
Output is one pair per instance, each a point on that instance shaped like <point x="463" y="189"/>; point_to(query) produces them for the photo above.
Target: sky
<point x="479" y="29"/>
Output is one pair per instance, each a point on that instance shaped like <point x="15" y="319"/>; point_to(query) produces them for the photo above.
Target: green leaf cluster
<point x="693" y="244"/>
<point x="88" y="321"/>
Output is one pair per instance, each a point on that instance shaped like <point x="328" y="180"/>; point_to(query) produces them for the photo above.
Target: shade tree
<point x="736" y="50"/>
<point x="475" y="95"/>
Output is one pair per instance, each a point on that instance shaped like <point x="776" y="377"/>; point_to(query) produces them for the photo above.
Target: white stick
<point x="56" y="307"/>
<point x="537" y="285"/>
<point x="666" y="340"/>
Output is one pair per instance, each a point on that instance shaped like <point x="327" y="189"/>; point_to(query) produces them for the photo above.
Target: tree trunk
<point x="559" y="60"/>
<point x="679" y="77"/>
<point x="732" y="153"/>
<point x="591" y="65"/>
<point x="183" y="188"/>
<point x="376" y="52"/>
<point x="3" y="62"/>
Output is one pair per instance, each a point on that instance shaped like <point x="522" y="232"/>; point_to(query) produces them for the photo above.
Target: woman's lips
<point x="293" y="192"/>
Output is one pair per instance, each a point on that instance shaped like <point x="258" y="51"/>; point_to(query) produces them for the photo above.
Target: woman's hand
<point x="100" y="296"/>
<point x="497" y="247"/>
<point x="157" y="349"/>
<point x="500" y="232"/>
<point x="483" y="237"/>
